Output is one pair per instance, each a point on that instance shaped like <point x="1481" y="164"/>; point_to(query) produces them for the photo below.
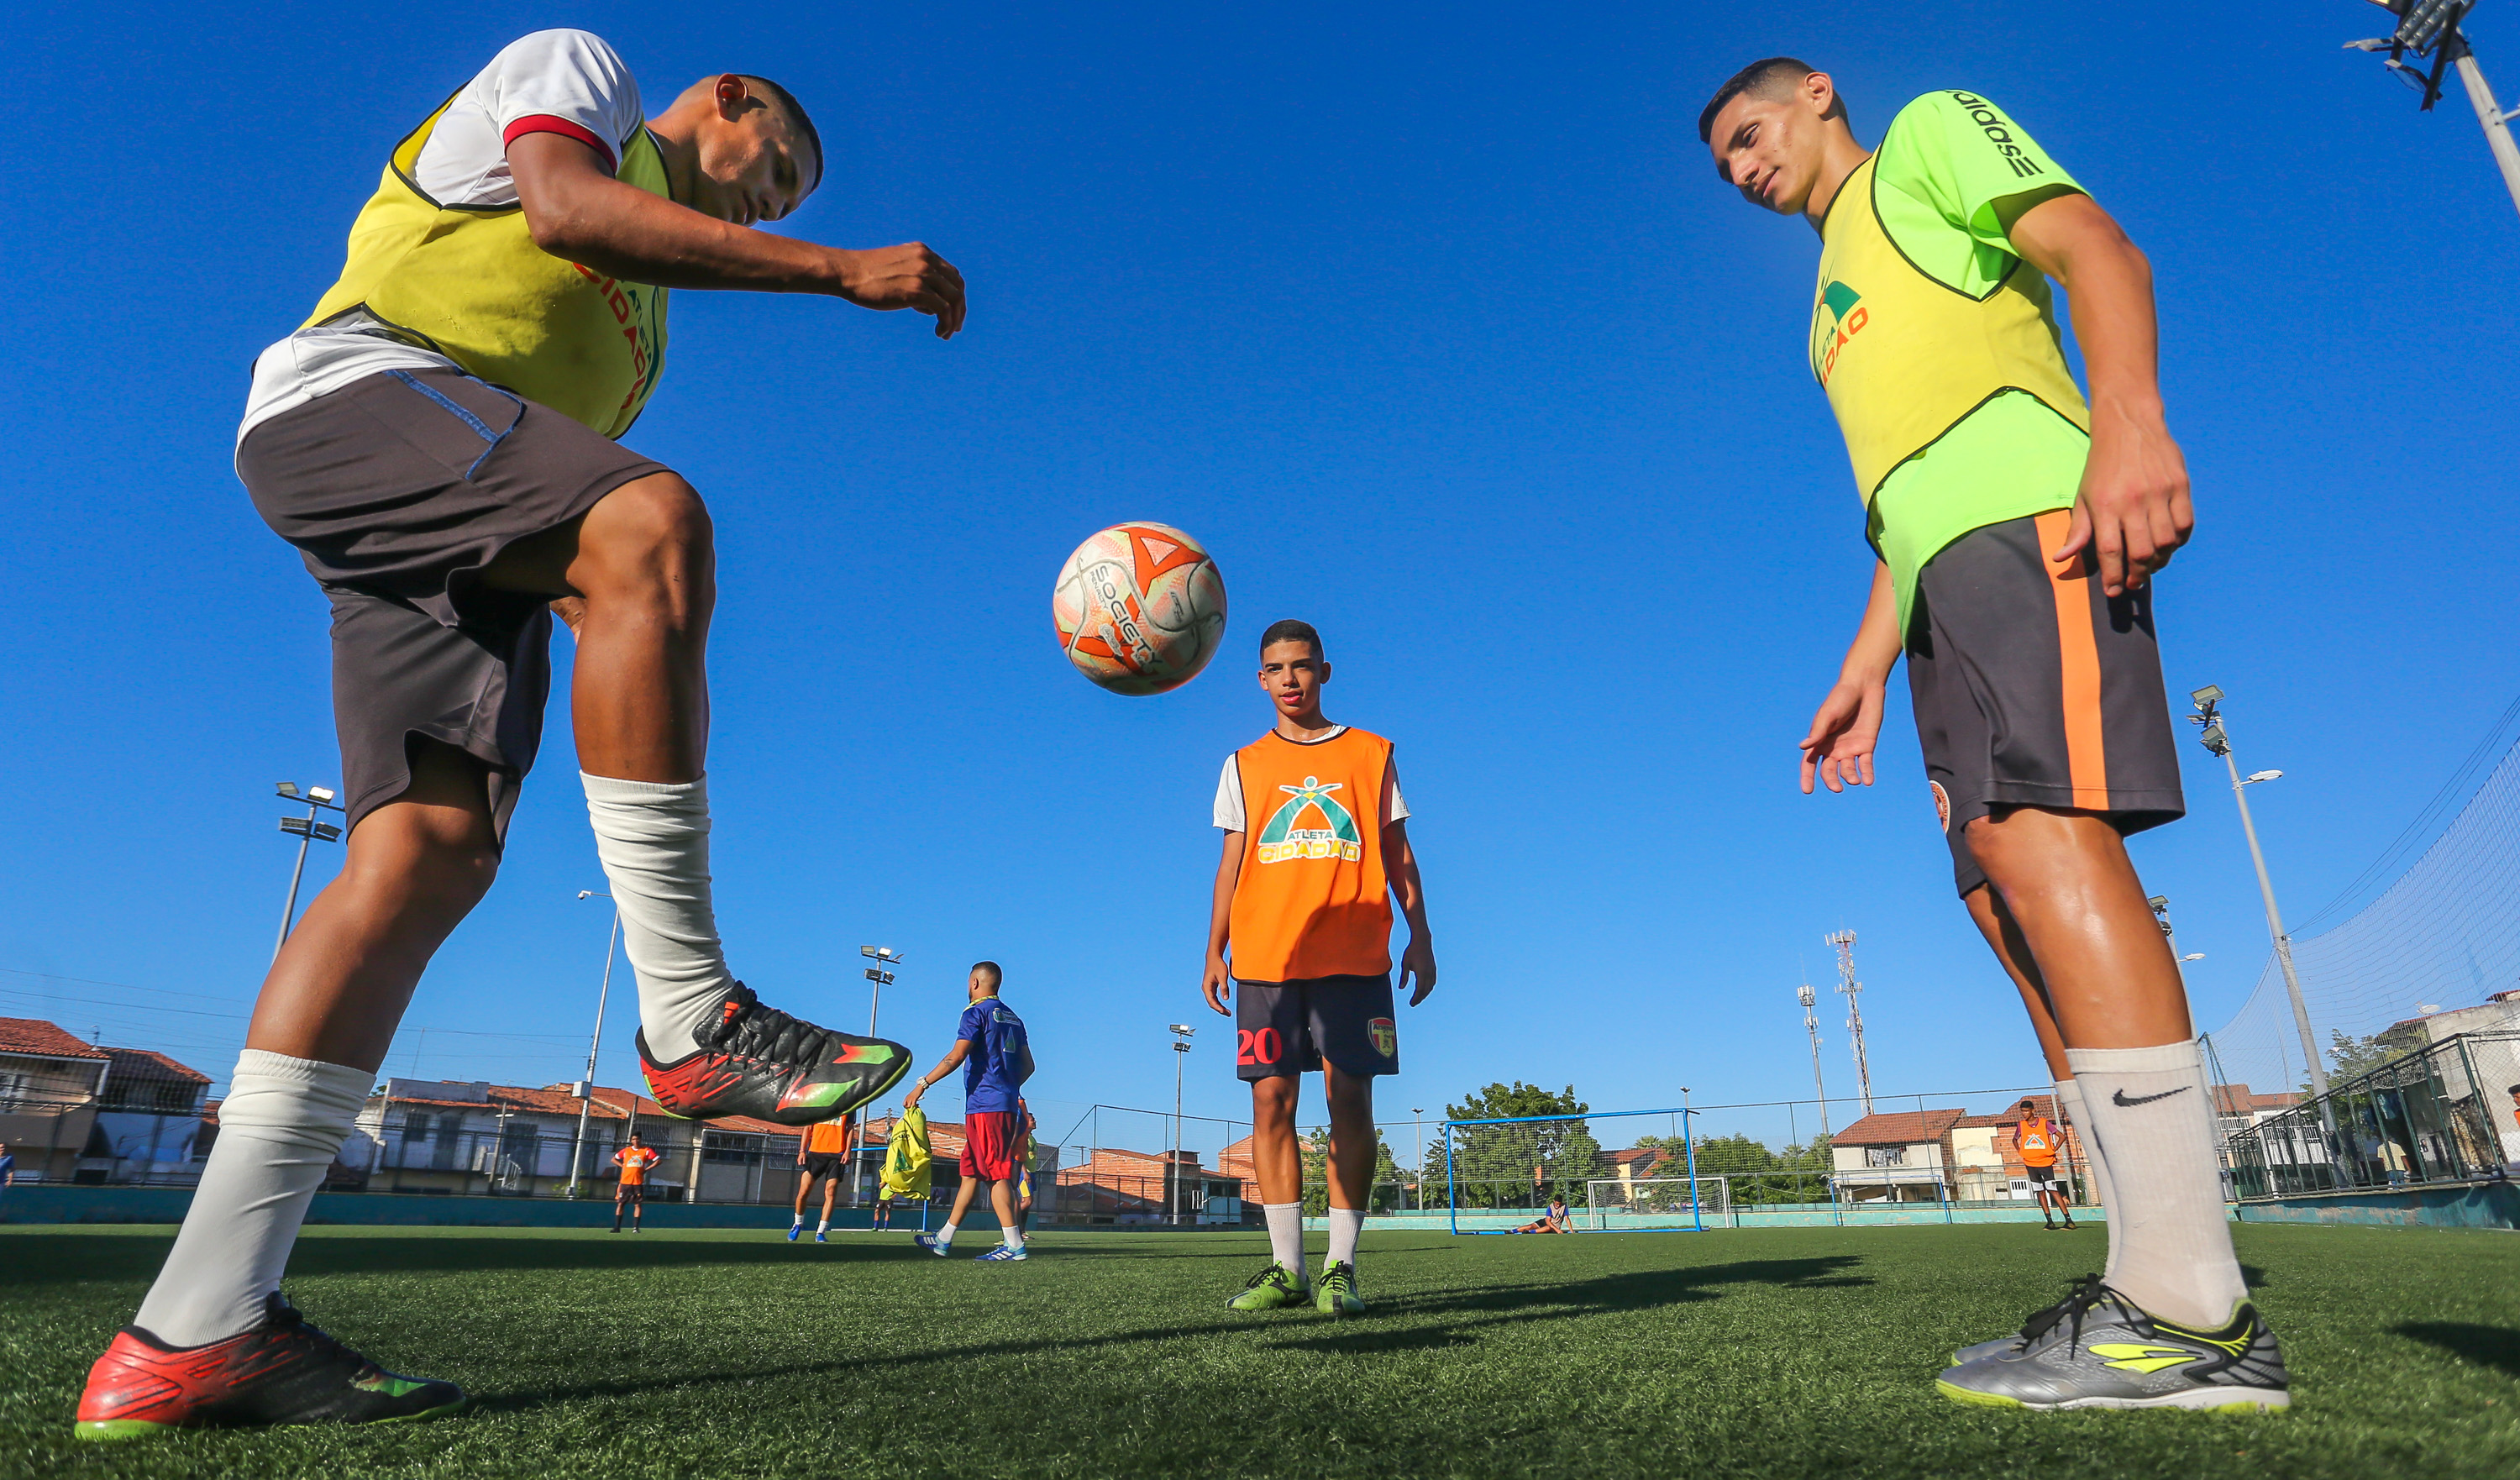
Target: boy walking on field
<point x="1316" y="847"/>
<point x="2014" y="526"/>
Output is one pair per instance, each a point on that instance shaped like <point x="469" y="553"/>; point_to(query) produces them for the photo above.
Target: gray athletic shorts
<point x="397" y="489"/>
<point x="2035" y="688"/>
<point x="1288" y="1027"/>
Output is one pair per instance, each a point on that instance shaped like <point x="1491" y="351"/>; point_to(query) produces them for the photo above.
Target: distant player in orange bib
<point x="1316" y="848"/>
<point x="823" y="1154"/>
<point x="631" y="1191"/>
<point x="2039" y="1140"/>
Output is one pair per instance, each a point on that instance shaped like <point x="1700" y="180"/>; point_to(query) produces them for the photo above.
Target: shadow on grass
<point x="1437" y="1321"/>
<point x="39" y="1259"/>
<point x="2492" y="1346"/>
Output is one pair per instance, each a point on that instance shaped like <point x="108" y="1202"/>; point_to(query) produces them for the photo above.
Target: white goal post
<point x="1651" y="1202"/>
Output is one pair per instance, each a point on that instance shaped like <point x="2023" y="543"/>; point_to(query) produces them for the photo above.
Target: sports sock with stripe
<point x="2170" y="1237"/>
<point x="2095" y="1161"/>
<point x="1345" y="1225"/>
<point x="278" y="1128"/>
<point x="1011" y="1236"/>
<point x="1285" y="1233"/>
<point x="945" y="1233"/>
<point x="654" y="840"/>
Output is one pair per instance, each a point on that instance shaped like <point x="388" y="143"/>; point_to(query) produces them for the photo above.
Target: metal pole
<point x="2490" y="113"/>
<point x="1451" y="1198"/>
<point x="595" y="1046"/>
<point x="1420" y="1124"/>
<point x="2275" y="926"/>
<point x="1172" y="1193"/>
<point x="875" y="1001"/>
<point x="1689" y="1151"/>
<point x="289" y="910"/>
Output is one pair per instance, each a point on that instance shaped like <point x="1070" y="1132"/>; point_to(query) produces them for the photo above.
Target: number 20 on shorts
<point x="1261" y="1047"/>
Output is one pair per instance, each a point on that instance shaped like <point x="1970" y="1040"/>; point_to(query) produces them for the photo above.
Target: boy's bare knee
<point x="648" y="534"/>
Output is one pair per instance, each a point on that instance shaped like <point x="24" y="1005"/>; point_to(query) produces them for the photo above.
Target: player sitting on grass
<point x="438" y="443"/>
<point x="822" y="1154"/>
<point x="1552" y="1220"/>
<point x="1316" y="847"/>
<point x="631" y="1191"/>
<point x="2014" y="527"/>
<point x="995" y="1058"/>
<point x="2037" y="1140"/>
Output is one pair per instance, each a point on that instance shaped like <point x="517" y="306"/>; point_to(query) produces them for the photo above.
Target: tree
<point x="1512" y="1165"/>
<point x="1315" y="1148"/>
<point x="2348" y="1055"/>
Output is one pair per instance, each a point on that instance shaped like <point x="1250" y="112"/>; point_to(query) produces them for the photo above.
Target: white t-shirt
<point x="561" y="82"/>
<point x="1229" y="791"/>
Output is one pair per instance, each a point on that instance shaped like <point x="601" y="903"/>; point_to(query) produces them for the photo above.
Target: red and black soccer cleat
<point x="282" y="1370"/>
<point x="759" y="1061"/>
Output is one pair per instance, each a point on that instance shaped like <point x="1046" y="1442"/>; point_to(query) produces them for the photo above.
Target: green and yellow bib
<point x="469" y="282"/>
<point x="1937" y="344"/>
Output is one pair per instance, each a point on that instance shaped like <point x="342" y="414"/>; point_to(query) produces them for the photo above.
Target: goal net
<point x="1652" y="1203"/>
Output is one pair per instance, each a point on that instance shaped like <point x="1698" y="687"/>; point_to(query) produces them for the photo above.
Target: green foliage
<point x="2348" y="1055"/>
<point x="1315" y="1148"/>
<point x="1520" y="1165"/>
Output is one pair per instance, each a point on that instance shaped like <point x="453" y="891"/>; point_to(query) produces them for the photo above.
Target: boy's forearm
<point x="1875" y="649"/>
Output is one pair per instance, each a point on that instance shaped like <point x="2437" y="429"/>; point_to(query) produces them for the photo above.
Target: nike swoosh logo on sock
<point x="2122" y="1102"/>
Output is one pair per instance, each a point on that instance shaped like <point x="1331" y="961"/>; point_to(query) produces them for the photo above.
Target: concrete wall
<point x="74" y="1204"/>
<point x="2471" y="1205"/>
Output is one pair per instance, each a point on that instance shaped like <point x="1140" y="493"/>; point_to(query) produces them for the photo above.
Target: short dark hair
<point x="1768" y="77"/>
<point x="1289" y="630"/>
<point x="635" y="1136"/>
<point x="997" y="976"/>
<point x="2514" y="1089"/>
<point x="786" y="102"/>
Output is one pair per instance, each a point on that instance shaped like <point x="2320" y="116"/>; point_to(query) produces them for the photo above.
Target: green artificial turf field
<point x="1777" y="1352"/>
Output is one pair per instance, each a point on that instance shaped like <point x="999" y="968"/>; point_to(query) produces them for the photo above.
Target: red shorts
<point x="992" y="1144"/>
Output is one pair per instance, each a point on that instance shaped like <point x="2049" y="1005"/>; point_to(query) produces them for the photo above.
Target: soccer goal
<point x="1653" y="1203"/>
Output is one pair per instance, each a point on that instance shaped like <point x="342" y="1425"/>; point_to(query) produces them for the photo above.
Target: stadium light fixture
<point x="2193" y="955"/>
<point x="2431" y="27"/>
<point x="308" y="830"/>
<point x="2217" y="738"/>
<point x="593" y="1043"/>
<point x="2256" y="777"/>
<point x="885" y="954"/>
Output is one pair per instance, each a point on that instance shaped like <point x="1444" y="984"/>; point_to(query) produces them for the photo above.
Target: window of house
<point x="1885" y="1157"/>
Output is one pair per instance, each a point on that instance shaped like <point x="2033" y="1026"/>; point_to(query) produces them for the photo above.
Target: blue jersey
<point x="1001" y="1055"/>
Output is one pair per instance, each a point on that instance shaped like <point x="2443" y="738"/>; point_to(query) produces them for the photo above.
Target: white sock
<point x="278" y="1128"/>
<point x="822" y="1226"/>
<point x="798" y="1223"/>
<point x="2170" y="1239"/>
<point x="1285" y="1233"/>
<point x="945" y="1235"/>
<point x="1345" y="1225"/>
<point x="2069" y="1098"/>
<point x="1012" y="1237"/>
<point x="653" y="837"/>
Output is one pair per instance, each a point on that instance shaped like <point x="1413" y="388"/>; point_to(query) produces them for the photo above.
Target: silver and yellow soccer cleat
<point x="2095" y="1349"/>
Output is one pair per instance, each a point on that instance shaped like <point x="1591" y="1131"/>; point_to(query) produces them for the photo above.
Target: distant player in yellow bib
<point x="2014" y="527"/>
<point x="822" y="1154"/>
<point x="1316" y="850"/>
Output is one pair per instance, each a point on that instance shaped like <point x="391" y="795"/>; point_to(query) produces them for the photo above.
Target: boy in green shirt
<point x="2015" y="525"/>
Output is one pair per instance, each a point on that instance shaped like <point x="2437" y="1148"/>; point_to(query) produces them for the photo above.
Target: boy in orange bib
<point x="1316" y="848"/>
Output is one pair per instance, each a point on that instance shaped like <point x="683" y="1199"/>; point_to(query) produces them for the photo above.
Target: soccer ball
<point x="1140" y="607"/>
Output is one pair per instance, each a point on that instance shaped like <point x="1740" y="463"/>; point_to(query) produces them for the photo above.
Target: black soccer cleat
<point x="759" y="1061"/>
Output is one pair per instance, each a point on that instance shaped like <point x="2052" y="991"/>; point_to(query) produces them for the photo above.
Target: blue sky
<point x="1434" y="323"/>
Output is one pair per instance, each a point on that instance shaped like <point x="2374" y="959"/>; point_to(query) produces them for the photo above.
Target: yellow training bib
<point x="471" y="284"/>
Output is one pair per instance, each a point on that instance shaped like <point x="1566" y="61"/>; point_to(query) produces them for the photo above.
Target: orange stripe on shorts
<point x="2078" y="652"/>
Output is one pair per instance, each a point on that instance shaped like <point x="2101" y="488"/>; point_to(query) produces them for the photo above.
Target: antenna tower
<point x="1844" y="941"/>
<point x="1811" y="1024"/>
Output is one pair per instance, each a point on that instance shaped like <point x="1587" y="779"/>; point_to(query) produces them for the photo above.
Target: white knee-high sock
<point x="1285" y="1233"/>
<point x="653" y="838"/>
<point x="2069" y="1098"/>
<point x="1345" y="1225"/>
<point x="278" y="1128"/>
<point x="2170" y="1239"/>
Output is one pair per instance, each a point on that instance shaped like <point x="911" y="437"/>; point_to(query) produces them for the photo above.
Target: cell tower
<point x="1844" y="941"/>
<point x="1811" y="1025"/>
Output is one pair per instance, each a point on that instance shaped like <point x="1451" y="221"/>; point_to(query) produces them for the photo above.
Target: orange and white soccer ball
<point x="1140" y="607"/>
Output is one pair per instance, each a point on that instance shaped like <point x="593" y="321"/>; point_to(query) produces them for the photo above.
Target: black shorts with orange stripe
<point x="2034" y="687"/>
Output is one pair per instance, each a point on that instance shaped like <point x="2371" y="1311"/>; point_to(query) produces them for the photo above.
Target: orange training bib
<point x="1312" y="899"/>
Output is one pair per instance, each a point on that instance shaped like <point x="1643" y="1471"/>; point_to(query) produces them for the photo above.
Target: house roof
<point x="148" y="1063"/>
<point x="2010" y="1115"/>
<point x="1899" y="1128"/>
<point x="1636" y="1155"/>
<point x="43" y="1039"/>
<point x="2240" y="1099"/>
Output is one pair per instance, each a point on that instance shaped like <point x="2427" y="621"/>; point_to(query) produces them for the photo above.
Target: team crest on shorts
<point x="1942" y="806"/>
<point x="1385" y="1036"/>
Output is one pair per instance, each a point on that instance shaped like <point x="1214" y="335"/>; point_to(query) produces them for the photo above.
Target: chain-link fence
<point x="2448" y="1112"/>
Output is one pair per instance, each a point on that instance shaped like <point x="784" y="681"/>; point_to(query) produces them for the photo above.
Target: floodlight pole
<point x="1181" y="1033"/>
<point x="308" y="830"/>
<point x="1811" y="1025"/>
<point x="2490" y="113"/>
<point x="595" y="1044"/>
<point x="2433" y="26"/>
<point x="2216" y="736"/>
